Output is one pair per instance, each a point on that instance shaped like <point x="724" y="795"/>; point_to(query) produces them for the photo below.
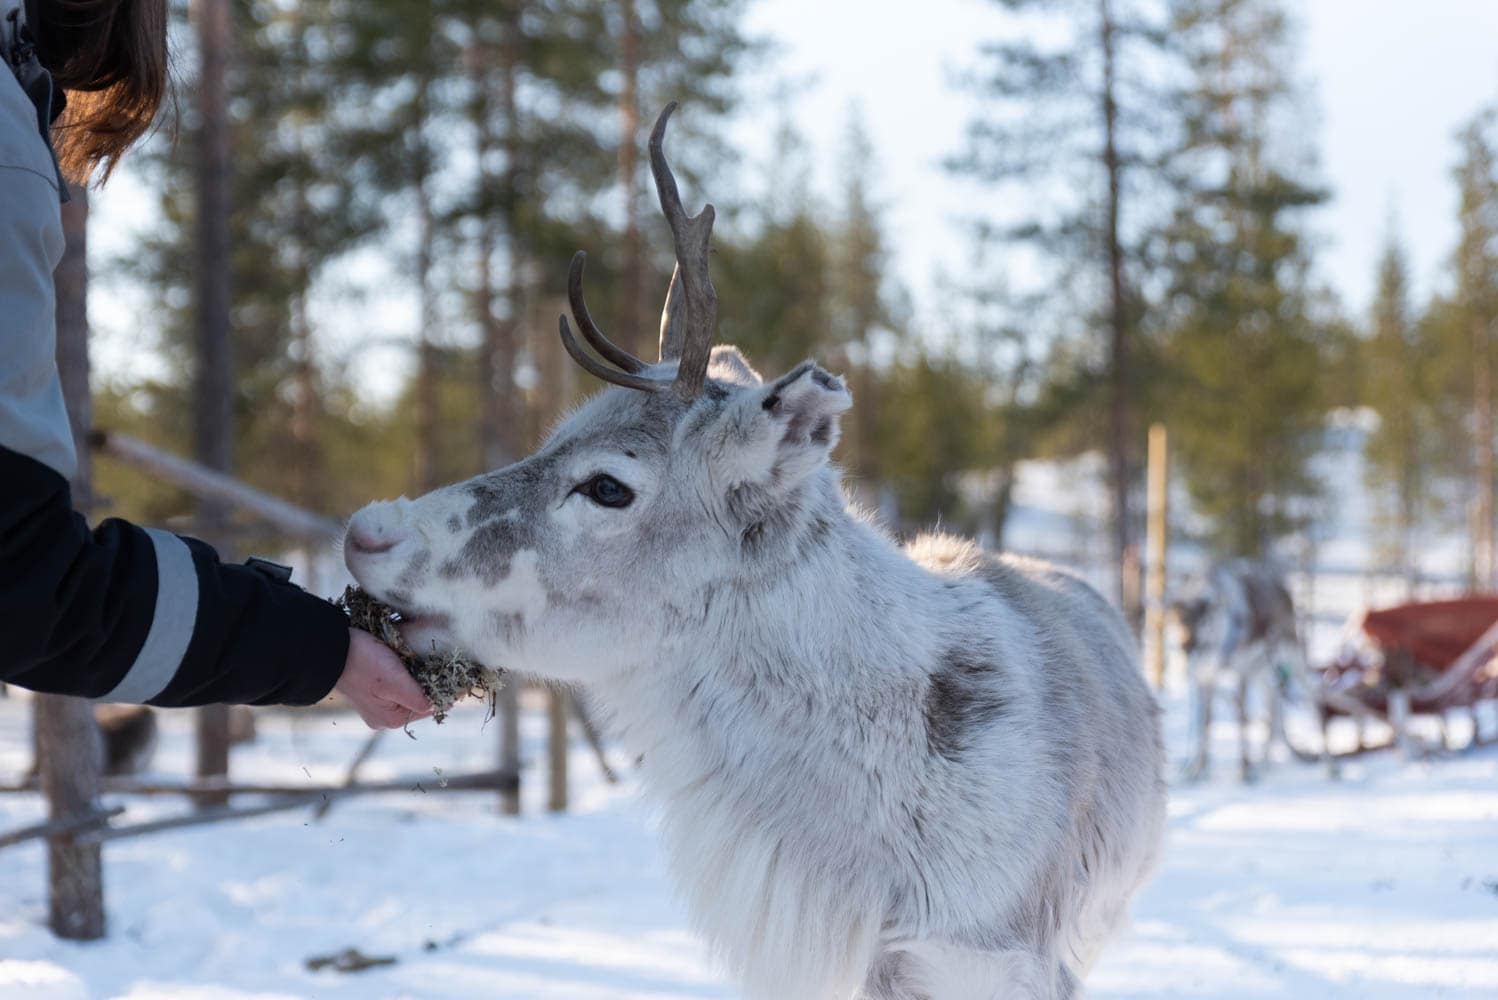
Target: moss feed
<point x="447" y="678"/>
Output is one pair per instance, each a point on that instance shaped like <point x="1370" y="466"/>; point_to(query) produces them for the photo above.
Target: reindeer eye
<point x="606" y="491"/>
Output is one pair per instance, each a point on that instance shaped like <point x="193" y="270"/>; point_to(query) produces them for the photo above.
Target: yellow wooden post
<point x="1155" y="544"/>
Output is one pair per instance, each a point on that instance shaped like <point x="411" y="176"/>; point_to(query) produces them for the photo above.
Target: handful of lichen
<point x="447" y="677"/>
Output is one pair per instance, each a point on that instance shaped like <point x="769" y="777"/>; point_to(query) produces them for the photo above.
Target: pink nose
<point x="370" y="534"/>
<point x="369" y="544"/>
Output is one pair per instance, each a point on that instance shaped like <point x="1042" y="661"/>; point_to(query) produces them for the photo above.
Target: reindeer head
<point x="600" y="550"/>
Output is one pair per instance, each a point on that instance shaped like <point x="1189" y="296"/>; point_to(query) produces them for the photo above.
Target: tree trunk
<point x="494" y="381"/>
<point x="71" y="753"/>
<point x="866" y="413"/>
<point x="70" y="750"/>
<point x="509" y="744"/>
<point x="306" y="412"/>
<point x="1483" y="555"/>
<point x="507" y="442"/>
<point x="556" y="748"/>
<point x="428" y="473"/>
<point x="1409" y="516"/>
<point x="499" y="422"/>
<point x="310" y="483"/>
<point x="634" y="335"/>
<point x="213" y="403"/>
<point x="1120" y="432"/>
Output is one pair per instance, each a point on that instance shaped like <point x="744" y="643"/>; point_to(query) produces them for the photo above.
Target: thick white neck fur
<point x="781" y="726"/>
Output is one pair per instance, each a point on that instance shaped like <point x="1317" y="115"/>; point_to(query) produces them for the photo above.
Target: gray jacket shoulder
<point x="33" y="420"/>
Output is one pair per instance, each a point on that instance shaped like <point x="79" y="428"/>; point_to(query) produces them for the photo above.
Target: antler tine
<point x="692" y="235"/>
<point x="594" y="367"/>
<point x="673" y="319"/>
<point x="611" y="352"/>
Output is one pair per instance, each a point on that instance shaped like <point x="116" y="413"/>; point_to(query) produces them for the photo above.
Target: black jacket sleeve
<point x="129" y="614"/>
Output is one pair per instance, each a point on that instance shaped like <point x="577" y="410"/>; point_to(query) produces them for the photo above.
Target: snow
<point x="1381" y="885"/>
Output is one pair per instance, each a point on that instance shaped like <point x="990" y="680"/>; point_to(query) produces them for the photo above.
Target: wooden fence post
<point x="1155" y="545"/>
<point x="556" y="800"/>
<point x="509" y="744"/>
<point x="70" y="752"/>
<point x="213" y="365"/>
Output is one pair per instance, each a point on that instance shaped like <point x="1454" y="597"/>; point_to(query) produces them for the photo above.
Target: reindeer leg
<point x="1197" y="766"/>
<point x="1278" y="693"/>
<point x="1245" y="762"/>
<point x="1333" y="765"/>
<point x="1399" y="719"/>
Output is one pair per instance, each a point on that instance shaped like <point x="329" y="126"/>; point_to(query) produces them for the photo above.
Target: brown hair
<point x="110" y="56"/>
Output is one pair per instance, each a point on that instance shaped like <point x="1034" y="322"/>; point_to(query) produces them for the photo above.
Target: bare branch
<point x="61" y="827"/>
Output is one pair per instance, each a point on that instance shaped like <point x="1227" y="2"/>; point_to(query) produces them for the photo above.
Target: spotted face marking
<point x="488" y="552"/>
<point x="507" y="490"/>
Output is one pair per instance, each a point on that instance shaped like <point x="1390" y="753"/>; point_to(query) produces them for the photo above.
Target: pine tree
<point x="213" y="374"/>
<point x="936" y="428"/>
<point x="662" y="50"/>
<point x="774" y="275"/>
<point x="1243" y="336"/>
<point x="1475" y="263"/>
<point x="1029" y="406"/>
<point x="474" y="138"/>
<point x="866" y="306"/>
<point x="295" y="189"/>
<point x="1077" y="117"/>
<point x="1396" y="377"/>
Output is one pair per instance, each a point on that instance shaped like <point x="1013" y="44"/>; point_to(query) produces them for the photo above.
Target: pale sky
<point x="1391" y="80"/>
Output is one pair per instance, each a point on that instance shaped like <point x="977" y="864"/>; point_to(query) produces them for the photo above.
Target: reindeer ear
<point x="728" y="364"/>
<point x="777" y="434"/>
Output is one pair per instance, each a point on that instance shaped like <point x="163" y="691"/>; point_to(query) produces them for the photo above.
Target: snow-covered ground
<point x="1382" y="885"/>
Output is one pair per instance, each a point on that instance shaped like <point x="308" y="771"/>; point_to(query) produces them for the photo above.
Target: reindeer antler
<point x="690" y="336"/>
<point x="691" y="310"/>
<point x="611" y="352"/>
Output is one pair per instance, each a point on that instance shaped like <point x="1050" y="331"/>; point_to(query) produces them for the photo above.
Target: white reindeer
<point x="1236" y="628"/>
<point x="887" y="773"/>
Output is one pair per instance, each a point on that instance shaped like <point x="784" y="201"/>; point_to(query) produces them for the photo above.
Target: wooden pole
<point x="1155" y="543"/>
<point x="556" y="800"/>
<point x="1120" y="350"/>
<point x="509" y="745"/>
<point x="281" y="803"/>
<point x="1484" y="553"/>
<point x="352" y="774"/>
<point x="213" y="365"/>
<point x="635" y="325"/>
<point x="479" y="780"/>
<point x="69" y="747"/>
<point x="57" y="827"/>
<point x="205" y="483"/>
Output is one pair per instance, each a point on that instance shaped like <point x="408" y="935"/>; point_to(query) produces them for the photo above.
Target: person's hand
<point x="377" y="684"/>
